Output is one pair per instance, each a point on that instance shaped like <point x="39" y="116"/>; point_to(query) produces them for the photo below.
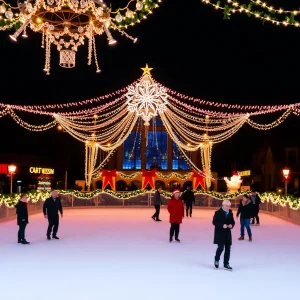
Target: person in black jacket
<point x="51" y="208"/>
<point x="223" y="221"/>
<point x="157" y="203"/>
<point x="246" y="212"/>
<point x="256" y="202"/>
<point x="189" y="198"/>
<point x="22" y="218"/>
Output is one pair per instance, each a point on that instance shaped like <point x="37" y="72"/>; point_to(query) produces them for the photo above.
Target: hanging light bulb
<point x="2" y="9"/>
<point x="129" y="14"/>
<point x="110" y="39"/>
<point x="139" y="5"/>
<point x="119" y="18"/>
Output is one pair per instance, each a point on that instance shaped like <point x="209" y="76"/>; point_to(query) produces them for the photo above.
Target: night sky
<point x="192" y="50"/>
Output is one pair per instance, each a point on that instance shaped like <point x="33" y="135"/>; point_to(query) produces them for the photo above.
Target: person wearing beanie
<point x="176" y="211"/>
<point x="22" y="218"/>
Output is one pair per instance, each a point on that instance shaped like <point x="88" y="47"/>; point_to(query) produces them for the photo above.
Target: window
<point x="156" y="121"/>
<point x="156" y="150"/>
<point x="178" y="159"/>
<point x="132" y="152"/>
<point x="292" y="157"/>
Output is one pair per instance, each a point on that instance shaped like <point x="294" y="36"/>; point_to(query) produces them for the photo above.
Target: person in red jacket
<point x="176" y="211"/>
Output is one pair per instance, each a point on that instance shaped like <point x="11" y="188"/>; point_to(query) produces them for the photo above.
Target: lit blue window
<point x="132" y="152"/>
<point x="178" y="159"/>
<point x="157" y="150"/>
<point x="156" y="121"/>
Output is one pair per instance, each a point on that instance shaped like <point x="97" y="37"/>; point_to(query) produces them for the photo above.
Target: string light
<point x="140" y="10"/>
<point x="34" y="196"/>
<point x="233" y="6"/>
<point x="270" y="8"/>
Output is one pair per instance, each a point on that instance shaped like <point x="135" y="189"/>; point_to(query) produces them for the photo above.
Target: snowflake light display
<point x="146" y="98"/>
<point x="234" y="183"/>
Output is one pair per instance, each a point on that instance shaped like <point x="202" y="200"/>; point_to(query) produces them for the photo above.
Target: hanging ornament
<point x="139" y="5"/>
<point x="119" y="18"/>
<point x="129" y="14"/>
<point x="2" y="9"/>
<point x="9" y="14"/>
<point x="146" y="98"/>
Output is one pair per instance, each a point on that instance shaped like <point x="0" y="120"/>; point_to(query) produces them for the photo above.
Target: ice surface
<point x="121" y="253"/>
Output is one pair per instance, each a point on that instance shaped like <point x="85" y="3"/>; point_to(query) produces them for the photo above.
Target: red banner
<point x="198" y="179"/>
<point x="148" y="177"/>
<point x="109" y="178"/>
<point x="3" y="169"/>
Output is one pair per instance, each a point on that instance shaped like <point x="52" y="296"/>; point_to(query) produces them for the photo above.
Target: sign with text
<point x="245" y="173"/>
<point x="37" y="170"/>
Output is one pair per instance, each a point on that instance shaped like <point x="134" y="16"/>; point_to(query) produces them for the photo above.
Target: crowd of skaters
<point x="223" y="219"/>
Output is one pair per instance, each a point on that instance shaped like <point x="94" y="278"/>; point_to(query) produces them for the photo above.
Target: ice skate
<point x="216" y="264"/>
<point x="227" y="267"/>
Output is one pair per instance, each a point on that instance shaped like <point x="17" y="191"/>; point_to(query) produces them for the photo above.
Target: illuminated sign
<point x="245" y="173"/>
<point x="37" y="170"/>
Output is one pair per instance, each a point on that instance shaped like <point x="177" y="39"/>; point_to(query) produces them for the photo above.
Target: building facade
<point x="147" y="149"/>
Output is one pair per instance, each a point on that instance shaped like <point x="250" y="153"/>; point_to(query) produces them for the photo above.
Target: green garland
<point x="35" y="196"/>
<point x="138" y="15"/>
<point x="258" y="10"/>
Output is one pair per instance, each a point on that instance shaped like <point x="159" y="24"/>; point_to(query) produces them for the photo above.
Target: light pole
<point x="286" y="173"/>
<point x="11" y="170"/>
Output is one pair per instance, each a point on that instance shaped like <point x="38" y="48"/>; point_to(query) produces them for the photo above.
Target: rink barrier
<point x="145" y="200"/>
<point x="7" y="213"/>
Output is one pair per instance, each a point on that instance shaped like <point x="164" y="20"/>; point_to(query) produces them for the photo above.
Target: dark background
<point x="192" y="50"/>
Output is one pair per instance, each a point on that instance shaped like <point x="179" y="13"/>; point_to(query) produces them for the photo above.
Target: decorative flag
<point x="148" y="177"/>
<point x="109" y="178"/>
<point x="198" y="179"/>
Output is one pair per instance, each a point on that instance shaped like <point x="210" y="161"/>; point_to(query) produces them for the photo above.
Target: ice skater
<point x="51" y="208"/>
<point x="189" y="198"/>
<point x="157" y="203"/>
<point x="223" y="221"/>
<point x="176" y="210"/>
<point x="246" y="212"/>
<point x="22" y="218"/>
<point x="256" y="202"/>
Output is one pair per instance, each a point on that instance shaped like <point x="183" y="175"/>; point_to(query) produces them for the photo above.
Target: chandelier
<point x="146" y="98"/>
<point x="68" y="24"/>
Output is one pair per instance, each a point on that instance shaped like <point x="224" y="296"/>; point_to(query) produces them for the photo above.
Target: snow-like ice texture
<point x="121" y="253"/>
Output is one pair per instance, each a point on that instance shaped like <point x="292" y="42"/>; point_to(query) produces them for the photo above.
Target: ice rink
<point x="121" y="253"/>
